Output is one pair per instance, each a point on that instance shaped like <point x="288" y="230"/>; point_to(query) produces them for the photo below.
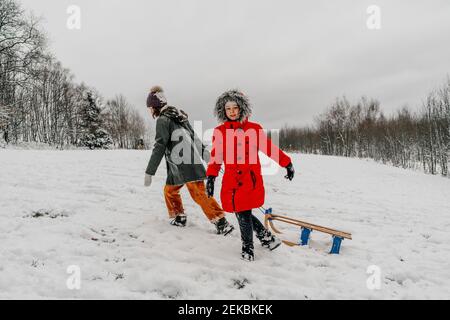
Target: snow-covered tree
<point x="4" y="116"/>
<point x="93" y="134"/>
<point x="124" y="123"/>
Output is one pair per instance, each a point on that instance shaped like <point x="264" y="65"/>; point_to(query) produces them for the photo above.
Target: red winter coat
<point x="236" y="145"/>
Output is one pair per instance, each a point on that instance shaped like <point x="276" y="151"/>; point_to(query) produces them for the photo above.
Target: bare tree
<point x="126" y="125"/>
<point x="406" y="139"/>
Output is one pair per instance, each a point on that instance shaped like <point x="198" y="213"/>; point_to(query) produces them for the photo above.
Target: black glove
<point x="290" y="172"/>
<point x="210" y="186"/>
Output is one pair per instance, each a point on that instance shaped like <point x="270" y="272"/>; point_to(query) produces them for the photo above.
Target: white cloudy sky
<point x="292" y="57"/>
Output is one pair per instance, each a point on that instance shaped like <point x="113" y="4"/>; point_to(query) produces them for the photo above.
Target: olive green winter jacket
<point x="177" y="142"/>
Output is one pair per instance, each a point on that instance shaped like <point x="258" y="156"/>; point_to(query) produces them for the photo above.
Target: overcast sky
<point x="292" y="57"/>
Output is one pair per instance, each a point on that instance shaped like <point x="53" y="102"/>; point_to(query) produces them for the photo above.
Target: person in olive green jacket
<point x="183" y="151"/>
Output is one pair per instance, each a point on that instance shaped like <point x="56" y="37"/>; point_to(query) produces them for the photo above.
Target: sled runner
<point x="306" y="229"/>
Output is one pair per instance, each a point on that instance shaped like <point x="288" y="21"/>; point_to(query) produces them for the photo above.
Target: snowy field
<point x="90" y="209"/>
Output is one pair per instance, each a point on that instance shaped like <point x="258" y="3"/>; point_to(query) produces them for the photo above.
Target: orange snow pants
<point x="197" y="190"/>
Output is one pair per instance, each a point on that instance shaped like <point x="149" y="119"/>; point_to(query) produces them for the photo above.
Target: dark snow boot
<point x="224" y="227"/>
<point x="247" y="253"/>
<point x="179" y="221"/>
<point x="268" y="240"/>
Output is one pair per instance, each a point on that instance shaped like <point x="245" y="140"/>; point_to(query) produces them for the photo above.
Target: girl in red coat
<point x="236" y="143"/>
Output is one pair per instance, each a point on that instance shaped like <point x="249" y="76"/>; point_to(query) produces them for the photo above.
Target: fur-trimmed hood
<point x="236" y="96"/>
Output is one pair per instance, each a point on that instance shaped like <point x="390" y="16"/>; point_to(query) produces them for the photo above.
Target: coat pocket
<point x="253" y="175"/>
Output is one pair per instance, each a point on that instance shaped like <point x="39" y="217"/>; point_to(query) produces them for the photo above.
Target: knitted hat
<point x="156" y="98"/>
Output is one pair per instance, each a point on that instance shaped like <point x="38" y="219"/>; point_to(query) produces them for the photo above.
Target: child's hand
<point x="148" y="180"/>
<point x="290" y="172"/>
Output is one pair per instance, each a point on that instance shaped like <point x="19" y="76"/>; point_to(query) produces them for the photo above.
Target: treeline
<point x="40" y="102"/>
<point x="126" y="126"/>
<point x="406" y="139"/>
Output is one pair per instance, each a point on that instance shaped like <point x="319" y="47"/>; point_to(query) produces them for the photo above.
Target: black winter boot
<point x="224" y="227"/>
<point x="268" y="240"/>
<point x="179" y="221"/>
<point x="247" y="253"/>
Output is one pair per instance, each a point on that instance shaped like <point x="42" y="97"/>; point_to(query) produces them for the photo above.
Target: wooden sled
<point x="306" y="229"/>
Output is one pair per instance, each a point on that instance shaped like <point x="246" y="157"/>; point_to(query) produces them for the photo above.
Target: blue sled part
<point x="304" y="237"/>
<point x="336" y="247"/>
<point x="269" y="211"/>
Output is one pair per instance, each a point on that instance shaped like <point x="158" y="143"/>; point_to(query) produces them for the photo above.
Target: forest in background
<point x="41" y="102"/>
<point x="406" y="139"/>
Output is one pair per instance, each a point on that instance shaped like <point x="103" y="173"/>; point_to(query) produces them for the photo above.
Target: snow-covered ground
<point x="90" y="209"/>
